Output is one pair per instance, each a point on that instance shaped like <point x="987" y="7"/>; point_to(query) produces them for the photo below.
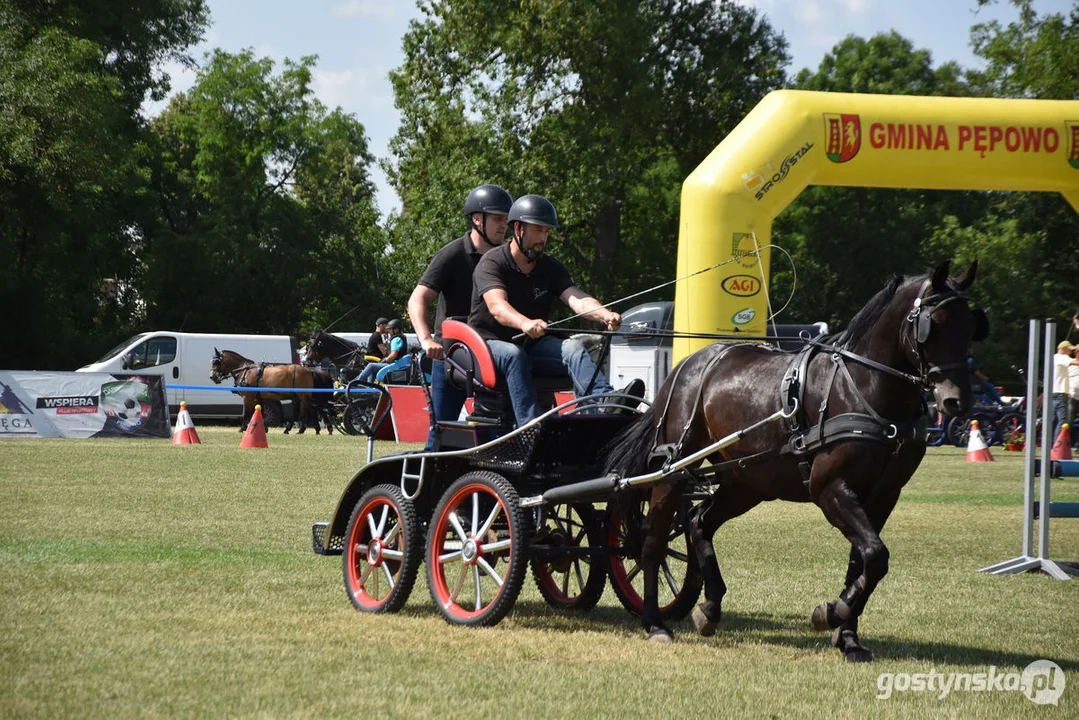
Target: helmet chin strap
<point x="482" y="230"/>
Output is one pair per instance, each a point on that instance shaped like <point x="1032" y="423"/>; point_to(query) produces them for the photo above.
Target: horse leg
<point x="867" y="566"/>
<point x="665" y="499"/>
<point x="703" y="521"/>
<point x="245" y="416"/>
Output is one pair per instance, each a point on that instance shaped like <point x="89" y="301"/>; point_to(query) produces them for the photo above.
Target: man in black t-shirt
<point x="514" y="288"/>
<point x="376" y="343"/>
<point x="449" y="278"/>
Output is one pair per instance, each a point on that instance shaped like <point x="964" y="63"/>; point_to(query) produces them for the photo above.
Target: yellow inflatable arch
<point x="794" y="138"/>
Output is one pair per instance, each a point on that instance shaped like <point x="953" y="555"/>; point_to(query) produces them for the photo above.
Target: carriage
<point x="589" y="492"/>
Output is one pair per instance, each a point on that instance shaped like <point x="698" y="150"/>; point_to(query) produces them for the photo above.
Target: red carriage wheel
<point x="570" y="582"/>
<point x="477" y="550"/>
<point x="679" y="584"/>
<point x="382" y="550"/>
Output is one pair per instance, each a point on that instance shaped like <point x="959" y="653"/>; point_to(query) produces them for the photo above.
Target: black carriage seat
<point x="470" y="360"/>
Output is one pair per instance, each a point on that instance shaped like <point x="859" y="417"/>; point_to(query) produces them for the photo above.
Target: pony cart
<point x="582" y="495"/>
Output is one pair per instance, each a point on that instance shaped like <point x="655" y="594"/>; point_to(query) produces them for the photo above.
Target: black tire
<point x="480" y="511"/>
<point x="273" y="415"/>
<point x="569" y="582"/>
<point x="679" y="582"/>
<point x="382" y="550"/>
<point x="959" y="429"/>
<point x="358" y="416"/>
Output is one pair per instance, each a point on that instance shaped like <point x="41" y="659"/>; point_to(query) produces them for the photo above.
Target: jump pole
<point x="1027" y="562"/>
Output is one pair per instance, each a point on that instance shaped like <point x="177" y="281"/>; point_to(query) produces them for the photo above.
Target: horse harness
<point x="804" y="442"/>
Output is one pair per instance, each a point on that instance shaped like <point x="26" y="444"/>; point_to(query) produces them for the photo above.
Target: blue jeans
<point x="378" y="371"/>
<point x="447" y="398"/>
<point x="1060" y="415"/>
<point x="549" y="357"/>
<point x="990" y="391"/>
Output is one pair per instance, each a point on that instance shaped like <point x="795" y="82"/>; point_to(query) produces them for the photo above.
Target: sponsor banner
<point x="81" y="405"/>
<point x="844" y="138"/>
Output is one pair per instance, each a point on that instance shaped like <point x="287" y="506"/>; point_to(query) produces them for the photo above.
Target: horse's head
<point x="942" y="322"/>
<point x="315" y="349"/>
<point x="217" y="367"/>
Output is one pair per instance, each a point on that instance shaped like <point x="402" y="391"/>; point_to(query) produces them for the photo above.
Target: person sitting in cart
<point x="513" y="289"/>
<point x="397" y="358"/>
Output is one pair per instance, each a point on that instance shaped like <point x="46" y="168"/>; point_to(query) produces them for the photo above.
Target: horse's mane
<point x="866" y="319"/>
<point x="342" y="342"/>
<point x="233" y="352"/>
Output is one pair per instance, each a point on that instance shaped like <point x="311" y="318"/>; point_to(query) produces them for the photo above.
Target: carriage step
<point x="323" y="545"/>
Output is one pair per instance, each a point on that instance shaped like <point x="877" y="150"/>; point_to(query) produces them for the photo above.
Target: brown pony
<point x="247" y="373"/>
<point x="855" y="435"/>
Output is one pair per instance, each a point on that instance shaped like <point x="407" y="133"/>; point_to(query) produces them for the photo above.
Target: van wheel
<point x="273" y="414"/>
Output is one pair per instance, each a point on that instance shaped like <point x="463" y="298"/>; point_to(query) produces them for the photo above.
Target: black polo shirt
<point x="531" y="294"/>
<point x="450" y="275"/>
<point x="373" y="342"/>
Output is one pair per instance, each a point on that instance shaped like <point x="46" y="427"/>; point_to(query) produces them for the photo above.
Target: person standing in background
<point x="1062" y="362"/>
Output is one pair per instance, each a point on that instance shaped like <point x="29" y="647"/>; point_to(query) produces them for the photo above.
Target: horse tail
<point x="627" y="454"/>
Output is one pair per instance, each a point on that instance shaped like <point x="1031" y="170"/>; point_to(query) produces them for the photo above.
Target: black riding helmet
<point x="394" y="324"/>
<point x="487" y="199"/>
<point x="534" y="210"/>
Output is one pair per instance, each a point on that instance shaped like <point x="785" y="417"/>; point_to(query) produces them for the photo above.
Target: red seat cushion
<point x="458" y="337"/>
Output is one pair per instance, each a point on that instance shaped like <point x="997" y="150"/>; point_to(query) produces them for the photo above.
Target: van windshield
<point x="116" y="350"/>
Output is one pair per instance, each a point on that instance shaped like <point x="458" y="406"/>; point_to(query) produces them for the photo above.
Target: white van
<point x="184" y="359"/>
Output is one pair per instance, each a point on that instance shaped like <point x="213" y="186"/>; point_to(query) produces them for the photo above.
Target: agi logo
<point x="844" y="133"/>
<point x="741" y="285"/>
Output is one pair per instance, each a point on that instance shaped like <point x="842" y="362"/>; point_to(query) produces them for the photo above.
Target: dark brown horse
<point x="348" y="357"/>
<point x="854" y="438"/>
<point x="249" y="374"/>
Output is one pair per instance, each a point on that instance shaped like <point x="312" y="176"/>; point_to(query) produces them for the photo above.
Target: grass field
<point x="139" y="578"/>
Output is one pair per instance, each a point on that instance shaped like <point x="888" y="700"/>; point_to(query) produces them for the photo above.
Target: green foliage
<point x="267" y="222"/>
<point x="586" y="103"/>
<point x="72" y="158"/>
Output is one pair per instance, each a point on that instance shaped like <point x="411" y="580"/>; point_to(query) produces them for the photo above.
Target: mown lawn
<point x="139" y="578"/>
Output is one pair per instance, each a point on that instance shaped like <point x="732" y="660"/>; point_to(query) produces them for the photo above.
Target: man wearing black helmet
<point x="514" y="288"/>
<point x="449" y="278"/>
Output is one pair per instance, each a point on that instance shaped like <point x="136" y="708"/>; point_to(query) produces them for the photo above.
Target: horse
<point x="853" y="437"/>
<point x="348" y="356"/>
<point x="247" y="373"/>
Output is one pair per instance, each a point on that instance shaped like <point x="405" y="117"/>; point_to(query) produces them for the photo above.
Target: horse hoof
<point x="660" y="635"/>
<point x="858" y="655"/>
<point x="819" y="620"/>
<point x="705" y="627"/>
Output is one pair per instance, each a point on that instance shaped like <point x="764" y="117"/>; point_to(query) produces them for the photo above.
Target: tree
<point x="602" y="107"/>
<point x="267" y="220"/>
<point x="72" y="183"/>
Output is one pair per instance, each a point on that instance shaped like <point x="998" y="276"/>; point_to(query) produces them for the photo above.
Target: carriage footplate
<point x="323" y="545"/>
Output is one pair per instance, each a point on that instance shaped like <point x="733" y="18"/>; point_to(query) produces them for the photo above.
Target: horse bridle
<point x="235" y="373"/>
<point x="351" y="355"/>
<point x="920" y="322"/>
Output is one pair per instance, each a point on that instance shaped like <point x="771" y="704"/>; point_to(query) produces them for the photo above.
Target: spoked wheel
<point x="382" y="552"/>
<point x="359" y="414"/>
<point x="477" y="550"/>
<point x="679" y="582"/>
<point x="959" y="429"/>
<point x="570" y="581"/>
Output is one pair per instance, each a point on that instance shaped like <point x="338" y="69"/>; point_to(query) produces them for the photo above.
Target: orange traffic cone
<point x="1062" y="448"/>
<point x="977" y="450"/>
<point x="255" y="435"/>
<point x="185" y="434"/>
